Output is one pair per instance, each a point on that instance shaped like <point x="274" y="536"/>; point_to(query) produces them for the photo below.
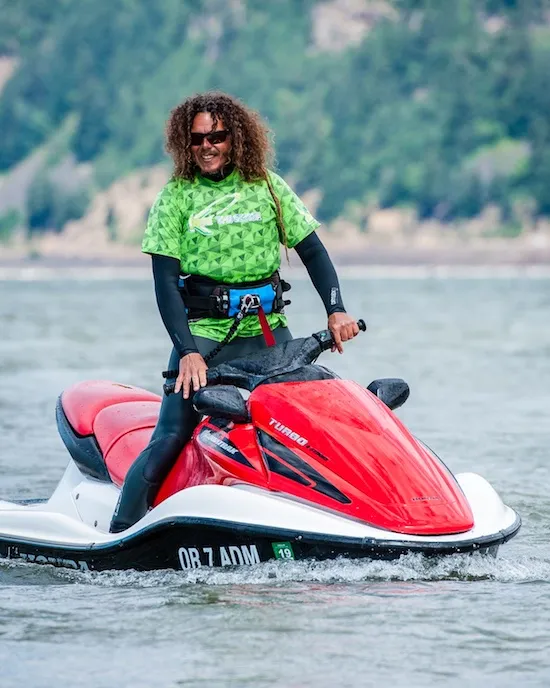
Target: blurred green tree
<point x="396" y="118"/>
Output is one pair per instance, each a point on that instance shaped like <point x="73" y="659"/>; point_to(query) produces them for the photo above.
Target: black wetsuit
<point x="178" y="418"/>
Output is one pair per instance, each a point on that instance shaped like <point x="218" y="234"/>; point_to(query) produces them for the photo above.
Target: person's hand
<point x="342" y="327"/>
<point x="192" y="373"/>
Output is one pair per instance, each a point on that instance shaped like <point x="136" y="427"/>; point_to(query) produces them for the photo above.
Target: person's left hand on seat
<point x="343" y="328"/>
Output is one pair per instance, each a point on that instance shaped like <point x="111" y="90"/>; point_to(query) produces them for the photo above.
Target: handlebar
<point x="323" y="338"/>
<point x="169" y="387"/>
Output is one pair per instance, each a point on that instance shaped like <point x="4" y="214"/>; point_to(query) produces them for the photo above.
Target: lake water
<point x="476" y="353"/>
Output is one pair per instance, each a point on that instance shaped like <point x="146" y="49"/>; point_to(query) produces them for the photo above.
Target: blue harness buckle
<point x="250" y="303"/>
<point x="260" y="296"/>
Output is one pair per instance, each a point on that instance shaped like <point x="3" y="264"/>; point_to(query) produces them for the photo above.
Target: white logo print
<point x="288" y="432"/>
<point x="201" y="221"/>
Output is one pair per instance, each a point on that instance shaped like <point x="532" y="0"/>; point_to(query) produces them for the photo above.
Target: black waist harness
<point x="207" y="298"/>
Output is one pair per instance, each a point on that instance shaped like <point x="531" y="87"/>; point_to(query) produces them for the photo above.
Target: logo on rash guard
<point x="288" y="432"/>
<point x="238" y="218"/>
<point x="199" y="222"/>
<point x="213" y="213"/>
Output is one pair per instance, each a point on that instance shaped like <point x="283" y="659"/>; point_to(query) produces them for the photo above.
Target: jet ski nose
<point x="432" y="516"/>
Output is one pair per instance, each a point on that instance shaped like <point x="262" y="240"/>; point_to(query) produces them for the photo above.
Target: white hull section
<point x="79" y="512"/>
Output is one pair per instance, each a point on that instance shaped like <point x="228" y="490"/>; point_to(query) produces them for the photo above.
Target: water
<point x="476" y="353"/>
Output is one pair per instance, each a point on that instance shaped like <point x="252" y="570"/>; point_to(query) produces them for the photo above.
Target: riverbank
<point x="345" y="254"/>
<point x="353" y="254"/>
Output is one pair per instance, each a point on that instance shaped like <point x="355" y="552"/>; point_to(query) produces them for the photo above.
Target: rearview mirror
<point x="393" y="391"/>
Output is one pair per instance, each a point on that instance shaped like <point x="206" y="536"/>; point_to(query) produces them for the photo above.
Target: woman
<point x="219" y="221"/>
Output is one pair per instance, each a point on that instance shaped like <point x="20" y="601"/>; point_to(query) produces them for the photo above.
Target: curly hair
<point x="251" y="149"/>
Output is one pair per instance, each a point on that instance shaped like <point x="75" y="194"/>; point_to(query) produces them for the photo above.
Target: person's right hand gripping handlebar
<point x="326" y="337"/>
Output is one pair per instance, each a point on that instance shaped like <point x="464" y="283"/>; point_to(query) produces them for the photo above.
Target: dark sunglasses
<point x="213" y="137"/>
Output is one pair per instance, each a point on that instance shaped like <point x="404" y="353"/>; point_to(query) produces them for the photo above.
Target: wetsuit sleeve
<point x="298" y="221"/>
<point x="321" y="270"/>
<point x="172" y="310"/>
<point x="165" y="224"/>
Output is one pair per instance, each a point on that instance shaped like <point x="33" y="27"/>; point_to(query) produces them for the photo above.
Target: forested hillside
<point x="442" y="106"/>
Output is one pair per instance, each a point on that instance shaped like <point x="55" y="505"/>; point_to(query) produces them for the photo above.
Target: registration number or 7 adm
<point x="229" y="555"/>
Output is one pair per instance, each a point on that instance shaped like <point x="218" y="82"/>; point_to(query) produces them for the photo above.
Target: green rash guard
<point x="226" y="230"/>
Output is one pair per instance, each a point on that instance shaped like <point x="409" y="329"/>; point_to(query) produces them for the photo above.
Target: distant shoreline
<point x="489" y="258"/>
<point x="36" y="272"/>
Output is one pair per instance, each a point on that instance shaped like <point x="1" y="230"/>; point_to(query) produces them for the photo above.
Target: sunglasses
<point x="213" y="137"/>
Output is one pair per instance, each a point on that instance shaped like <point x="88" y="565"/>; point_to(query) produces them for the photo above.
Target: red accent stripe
<point x="266" y="330"/>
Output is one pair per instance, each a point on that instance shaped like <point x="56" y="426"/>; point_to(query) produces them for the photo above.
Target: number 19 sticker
<point x="282" y="550"/>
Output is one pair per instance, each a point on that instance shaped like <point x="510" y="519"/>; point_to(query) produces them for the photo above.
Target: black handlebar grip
<point x="212" y="376"/>
<point x="325" y="339"/>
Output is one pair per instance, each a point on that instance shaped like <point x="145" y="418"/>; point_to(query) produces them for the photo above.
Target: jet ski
<point x="288" y="462"/>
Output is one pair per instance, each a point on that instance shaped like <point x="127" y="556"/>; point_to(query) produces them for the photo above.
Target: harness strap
<point x="206" y="298"/>
<point x="208" y="304"/>
<point x="266" y="330"/>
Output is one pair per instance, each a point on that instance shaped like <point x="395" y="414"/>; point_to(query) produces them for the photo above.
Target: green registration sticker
<point x="282" y="550"/>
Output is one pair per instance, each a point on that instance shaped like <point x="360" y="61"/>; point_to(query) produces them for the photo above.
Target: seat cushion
<point x="125" y="451"/>
<point x="82" y="402"/>
<point x="122" y="431"/>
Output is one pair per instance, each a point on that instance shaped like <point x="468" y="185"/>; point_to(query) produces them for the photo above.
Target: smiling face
<point x="209" y="157"/>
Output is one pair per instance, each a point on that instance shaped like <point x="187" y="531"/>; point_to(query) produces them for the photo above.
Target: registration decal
<point x="283" y="550"/>
<point x="229" y="555"/>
